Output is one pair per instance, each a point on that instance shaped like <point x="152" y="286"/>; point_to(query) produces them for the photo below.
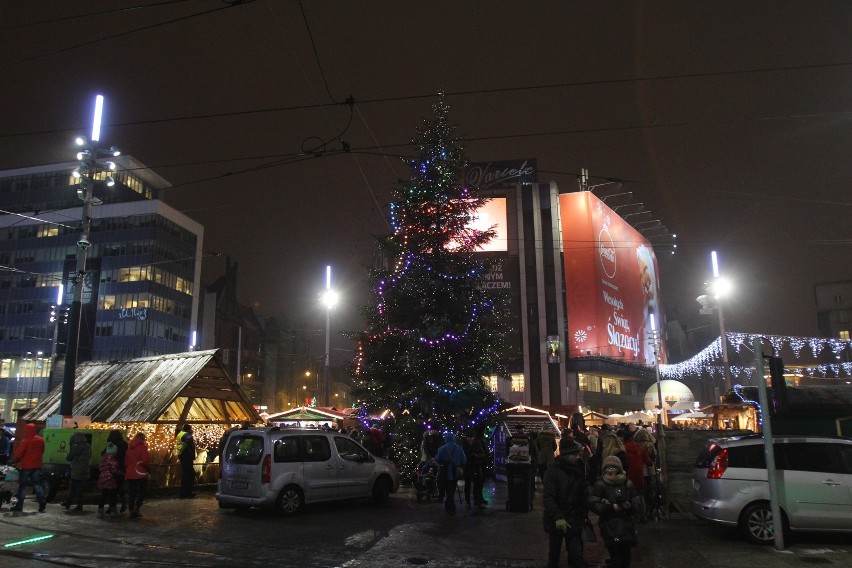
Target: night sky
<point x="729" y="120"/>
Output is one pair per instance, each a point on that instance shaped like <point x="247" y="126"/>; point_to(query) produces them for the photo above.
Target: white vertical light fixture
<point x="96" y="122"/>
<point x="329" y="298"/>
<point x="720" y="288"/>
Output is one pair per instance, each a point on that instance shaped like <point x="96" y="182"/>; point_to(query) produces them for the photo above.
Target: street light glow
<point x="96" y="123"/>
<point x="329" y="298"/>
<point x="721" y="287"/>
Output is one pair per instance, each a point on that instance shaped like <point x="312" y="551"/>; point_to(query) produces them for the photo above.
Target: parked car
<point x="814" y="476"/>
<point x="286" y="469"/>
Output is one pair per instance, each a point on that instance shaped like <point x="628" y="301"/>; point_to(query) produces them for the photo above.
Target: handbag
<point x="589" y="531"/>
<point x="458" y="472"/>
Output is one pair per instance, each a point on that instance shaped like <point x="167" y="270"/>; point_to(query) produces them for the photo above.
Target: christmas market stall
<point x="307" y="417"/>
<point x="517" y="423"/>
<point x="157" y="396"/>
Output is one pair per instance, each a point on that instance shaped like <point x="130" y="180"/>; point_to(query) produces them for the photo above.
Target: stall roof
<point x="306" y="413"/>
<point x="189" y="387"/>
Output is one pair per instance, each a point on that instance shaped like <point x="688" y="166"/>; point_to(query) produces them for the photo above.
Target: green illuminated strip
<point x="27" y="541"/>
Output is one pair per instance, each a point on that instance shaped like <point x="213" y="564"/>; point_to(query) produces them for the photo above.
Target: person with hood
<point x="545" y="450"/>
<point x="136" y="472"/>
<point x="451" y="459"/>
<point x="615" y="500"/>
<point x="117" y="438"/>
<point x="80" y="455"/>
<point x="108" y="473"/>
<point x="27" y="457"/>
<point x="565" y="504"/>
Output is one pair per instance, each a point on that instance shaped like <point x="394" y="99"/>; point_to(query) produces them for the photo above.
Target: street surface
<point x="403" y="533"/>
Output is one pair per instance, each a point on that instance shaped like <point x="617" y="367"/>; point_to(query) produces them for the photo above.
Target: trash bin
<point x="519" y="477"/>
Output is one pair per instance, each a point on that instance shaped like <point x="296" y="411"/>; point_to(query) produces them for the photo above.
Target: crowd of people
<point x="607" y="471"/>
<point x="120" y="476"/>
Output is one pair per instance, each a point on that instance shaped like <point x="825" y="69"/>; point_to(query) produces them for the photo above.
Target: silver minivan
<point x="286" y="468"/>
<point x="814" y="484"/>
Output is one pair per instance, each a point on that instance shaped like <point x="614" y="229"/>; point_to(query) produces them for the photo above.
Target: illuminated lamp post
<point x="721" y="287"/>
<point x="329" y="299"/>
<point x="91" y="169"/>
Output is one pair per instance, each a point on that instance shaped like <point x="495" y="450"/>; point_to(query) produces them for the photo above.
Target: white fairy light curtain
<point x="709" y="360"/>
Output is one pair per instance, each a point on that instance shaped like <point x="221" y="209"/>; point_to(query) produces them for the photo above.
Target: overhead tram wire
<point x="93" y="14"/>
<point x="126" y="33"/>
<point x="479" y="92"/>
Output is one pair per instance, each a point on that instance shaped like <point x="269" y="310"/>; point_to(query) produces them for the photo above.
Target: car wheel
<point x="757" y="525"/>
<point x="290" y="500"/>
<point x="382" y="490"/>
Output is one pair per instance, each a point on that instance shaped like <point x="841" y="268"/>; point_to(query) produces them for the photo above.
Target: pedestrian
<point x="637" y="460"/>
<point x="610" y="444"/>
<point x="565" y="504"/>
<point x="4" y="443"/>
<point x="80" y="456"/>
<point x="474" y="475"/>
<point x="117" y="438"/>
<point x="27" y="457"/>
<point x="545" y="450"/>
<point x="108" y="474"/>
<point x="186" y="454"/>
<point x="136" y="473"/>
<point x="615" y="500"/>
<point x="451" y="459"/>
<point x="646" y="439"/>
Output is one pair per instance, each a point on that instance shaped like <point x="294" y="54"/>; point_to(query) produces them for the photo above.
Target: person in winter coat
<point x="545" y="442"/>
<point x="27" y="458"/>
<point x="117" y="438"/>
<point x="80" y="455"/>
<point x="637" y="461"/>
<point x="449" y="457"/>
<point x="615" y="500"/>
<point x="108" y="474"/>
<point x="646" y="439"/>
<point x="474" y="476"/>
<point x="186" y="455"/>
<point x="136" y="472"/>
<point x="565" y="504"/>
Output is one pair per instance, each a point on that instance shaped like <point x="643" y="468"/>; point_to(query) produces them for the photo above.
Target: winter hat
<point x="612" y="461"/>
<point x="568" y="446"/>
<point x="111" y="448"/>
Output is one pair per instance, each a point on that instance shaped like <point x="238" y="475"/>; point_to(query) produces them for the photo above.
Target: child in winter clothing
<point x="108" y="480"/>
<point x="615" y="500"/>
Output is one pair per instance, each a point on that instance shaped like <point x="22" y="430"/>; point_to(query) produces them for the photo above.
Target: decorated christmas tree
<point x="433" y="332"/>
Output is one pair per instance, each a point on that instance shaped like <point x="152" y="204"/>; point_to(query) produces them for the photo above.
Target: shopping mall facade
<point x="582" y="287"/>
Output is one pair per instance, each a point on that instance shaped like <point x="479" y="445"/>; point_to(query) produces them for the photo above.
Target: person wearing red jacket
<point x="637" y="459"/>
<point x="27" y="458"/>
<point x="136" y="472"/>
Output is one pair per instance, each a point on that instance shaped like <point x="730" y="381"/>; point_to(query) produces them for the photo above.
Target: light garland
<point x="709" y="360"/>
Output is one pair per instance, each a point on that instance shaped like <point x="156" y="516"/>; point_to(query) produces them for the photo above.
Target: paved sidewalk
<point x="498" y="538"/>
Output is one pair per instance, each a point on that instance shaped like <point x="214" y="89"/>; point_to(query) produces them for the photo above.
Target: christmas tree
<point x="434" y="332"/>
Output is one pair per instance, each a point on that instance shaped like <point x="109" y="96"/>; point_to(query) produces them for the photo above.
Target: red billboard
<point x="612" y="284"/>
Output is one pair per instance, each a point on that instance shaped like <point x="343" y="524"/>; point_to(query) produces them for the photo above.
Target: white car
<point x="814" y="476"/>
<point x="286" y="468"/>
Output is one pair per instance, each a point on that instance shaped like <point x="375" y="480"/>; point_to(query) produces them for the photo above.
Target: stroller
<point x="426" y="481"/>
<point x="8" y="485"/>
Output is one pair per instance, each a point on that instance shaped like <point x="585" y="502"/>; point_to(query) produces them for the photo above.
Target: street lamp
<point x="719" y="288"/>
<point x="329" y="299"/>
<point x="91" y="168"/>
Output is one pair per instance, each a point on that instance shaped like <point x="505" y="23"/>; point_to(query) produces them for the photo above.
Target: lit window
<point x="844" y="334"/>
<point x="517" y="382"/>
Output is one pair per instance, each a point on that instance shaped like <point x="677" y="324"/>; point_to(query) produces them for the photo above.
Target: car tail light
<point x="266" y="469"/>
<point x="718" y="465"/>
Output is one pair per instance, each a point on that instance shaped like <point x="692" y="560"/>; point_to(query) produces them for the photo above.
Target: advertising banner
<point x="611" y="283"/>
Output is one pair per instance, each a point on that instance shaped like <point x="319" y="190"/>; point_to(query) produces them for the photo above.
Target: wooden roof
<point x="189" y="387"/>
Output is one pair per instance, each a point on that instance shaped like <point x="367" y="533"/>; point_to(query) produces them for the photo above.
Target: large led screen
<point x="612" y="283"/>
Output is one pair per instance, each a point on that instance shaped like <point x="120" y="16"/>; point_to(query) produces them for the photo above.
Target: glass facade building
<point x="142" y="280"/>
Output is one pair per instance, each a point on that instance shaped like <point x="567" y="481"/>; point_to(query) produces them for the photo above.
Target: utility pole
<point x="87" y="172"/>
